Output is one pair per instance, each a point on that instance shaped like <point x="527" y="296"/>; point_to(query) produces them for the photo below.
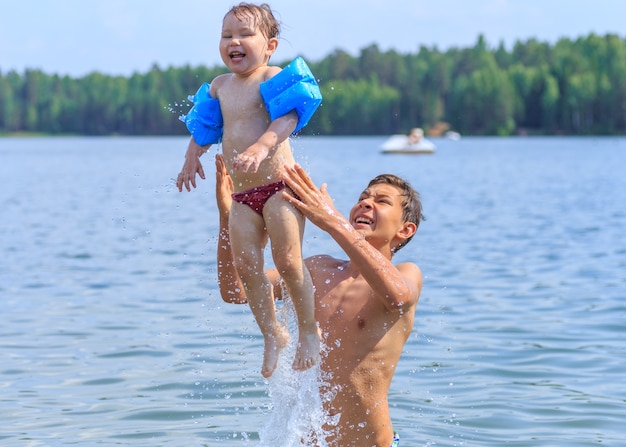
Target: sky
<point x="121" y="37"/>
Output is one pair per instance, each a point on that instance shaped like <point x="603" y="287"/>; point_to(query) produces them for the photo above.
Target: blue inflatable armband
<point x="293" y="88"/>
<point x="204" y="120"/>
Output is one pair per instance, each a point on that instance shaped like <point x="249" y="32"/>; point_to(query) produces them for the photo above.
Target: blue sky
<point x="76" y="37"/>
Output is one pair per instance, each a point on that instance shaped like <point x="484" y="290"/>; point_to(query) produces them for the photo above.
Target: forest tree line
<point x="573" y="87"/>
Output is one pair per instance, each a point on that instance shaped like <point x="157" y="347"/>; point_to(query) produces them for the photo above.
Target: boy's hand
<point x="315" y="203"/>
<point x="223" y="186"/>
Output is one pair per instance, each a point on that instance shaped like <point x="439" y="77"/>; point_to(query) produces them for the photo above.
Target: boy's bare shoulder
<point x="323" y="262"/>
<point x="409" y="266"/>
<point x="413" y="274"/>
<point x="410" y="270"/>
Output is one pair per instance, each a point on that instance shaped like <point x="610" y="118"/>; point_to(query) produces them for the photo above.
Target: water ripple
<point x="114" y="333"/>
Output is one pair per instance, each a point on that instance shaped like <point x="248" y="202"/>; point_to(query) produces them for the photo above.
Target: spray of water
<point x="297" y="416"/>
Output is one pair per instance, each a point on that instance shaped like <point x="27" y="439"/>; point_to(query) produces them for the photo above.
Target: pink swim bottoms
<point x="256" y="197"/>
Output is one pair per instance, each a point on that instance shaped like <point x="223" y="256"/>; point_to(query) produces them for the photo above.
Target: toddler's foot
<point x="273" y="345"/>
<point x="308" y="350"/>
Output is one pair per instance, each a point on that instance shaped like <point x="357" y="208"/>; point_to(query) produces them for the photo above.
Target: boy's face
<point x="378" y="215"/>
<point x="243" y="47"/>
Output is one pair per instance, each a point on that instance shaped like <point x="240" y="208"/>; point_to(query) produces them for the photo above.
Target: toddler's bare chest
<point x="237" y="98"/>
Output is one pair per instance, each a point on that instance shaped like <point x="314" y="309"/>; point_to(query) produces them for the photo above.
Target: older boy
<point x="366" y="303"/>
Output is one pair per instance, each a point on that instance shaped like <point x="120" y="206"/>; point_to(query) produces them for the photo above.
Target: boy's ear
<point x="408" y="229"/>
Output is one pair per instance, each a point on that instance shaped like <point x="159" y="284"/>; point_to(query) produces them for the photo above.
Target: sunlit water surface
<point x="113" y="332"/>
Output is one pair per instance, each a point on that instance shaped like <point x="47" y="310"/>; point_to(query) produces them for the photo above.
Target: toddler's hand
<point x="187" y="175"/>
<point x="251" y="159"/>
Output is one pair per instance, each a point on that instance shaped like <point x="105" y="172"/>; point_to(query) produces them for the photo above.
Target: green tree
<point x="483" y="98"/>
<point x="355" y="107"/>
<point x="574" y="86"/>
<point x="9" y="103"/>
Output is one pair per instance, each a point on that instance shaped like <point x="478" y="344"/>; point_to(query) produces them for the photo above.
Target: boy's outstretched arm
<point x="231" y="288"/>
<point x="192" y="166"/>
<point x="397" y="286"/>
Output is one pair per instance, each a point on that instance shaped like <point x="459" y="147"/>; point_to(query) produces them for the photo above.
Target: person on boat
<point x="364" y="305"/>
<point x="415" y="136"/>
<point x="253" y="110"/>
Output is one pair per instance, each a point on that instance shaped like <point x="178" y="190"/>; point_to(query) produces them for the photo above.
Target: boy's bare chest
<point x="346" y="300"/>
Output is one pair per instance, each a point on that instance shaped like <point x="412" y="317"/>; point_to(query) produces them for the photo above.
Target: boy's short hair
<point x="411" y="203"/>
<point x="262" y="17"/>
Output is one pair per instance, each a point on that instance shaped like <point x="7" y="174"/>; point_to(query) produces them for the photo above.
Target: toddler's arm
<point x="192" y="166"/>
<point x="205" y="123"/>
<point x="291" y="97"/>
<point x="278" y="131"/>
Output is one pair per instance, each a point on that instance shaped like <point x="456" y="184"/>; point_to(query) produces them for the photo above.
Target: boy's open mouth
<point x="363" y="220"/>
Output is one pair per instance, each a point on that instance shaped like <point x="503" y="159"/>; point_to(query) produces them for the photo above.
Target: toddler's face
<point x="243" y="46"/>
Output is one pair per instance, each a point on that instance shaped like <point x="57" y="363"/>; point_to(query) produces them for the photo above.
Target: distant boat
<point x="452" y="135"/>
<point x="399" y="144"/>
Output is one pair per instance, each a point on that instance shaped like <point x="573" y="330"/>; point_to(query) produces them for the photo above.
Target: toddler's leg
<point x="286" y="227"/>
<point x="248" y="239"/>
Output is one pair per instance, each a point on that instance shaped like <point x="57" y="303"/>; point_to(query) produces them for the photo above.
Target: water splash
<point x="297" y="416"/>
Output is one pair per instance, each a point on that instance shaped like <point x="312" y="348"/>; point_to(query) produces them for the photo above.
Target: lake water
<point x="113" y="332"/>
